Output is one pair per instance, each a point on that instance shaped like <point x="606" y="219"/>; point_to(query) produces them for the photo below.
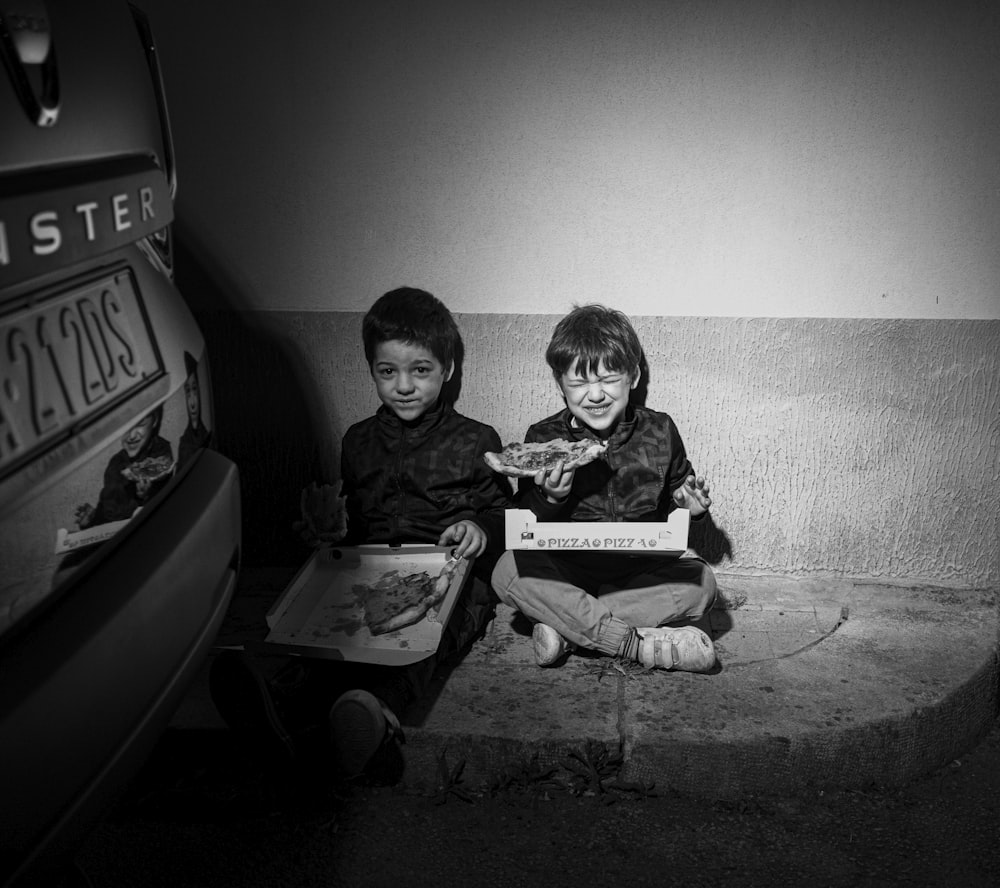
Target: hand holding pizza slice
<point x="527" y="460"/>
<point x="149" y="469"/>
<point x="555" y="483"/>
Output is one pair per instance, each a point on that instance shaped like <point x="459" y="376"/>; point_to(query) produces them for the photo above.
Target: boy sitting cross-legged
<point x="412" y="473"/>
<point x="613" y="603"/>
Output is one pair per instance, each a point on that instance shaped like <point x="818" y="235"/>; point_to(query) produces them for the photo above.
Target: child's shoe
<point x="360" y="724"/>
<point x="687" y="649"/>
<point x="243" y="698"/>
<point x="550" y="646"/>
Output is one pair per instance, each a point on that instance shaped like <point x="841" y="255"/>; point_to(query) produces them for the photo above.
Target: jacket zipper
<point x="611" y="486"/>
<point x="398" y="478"/>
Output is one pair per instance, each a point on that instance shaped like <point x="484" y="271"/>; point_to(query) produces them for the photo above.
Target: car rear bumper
<point x="88" y="689"/>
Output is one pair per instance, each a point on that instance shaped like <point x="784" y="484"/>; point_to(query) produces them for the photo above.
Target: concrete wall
<point x="796" y="158"/>
<point x="798" y="202"/>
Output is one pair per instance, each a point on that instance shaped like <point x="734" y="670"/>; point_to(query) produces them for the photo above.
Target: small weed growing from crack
<point x="527" y="782"/>
<point x="526" y="776"/>
<point x="593" y="771"/>
<point x="591" y="767"/>
<point x="615" y="666"/>
<point x="730" y="601"/>
<point x="450" y="782"/>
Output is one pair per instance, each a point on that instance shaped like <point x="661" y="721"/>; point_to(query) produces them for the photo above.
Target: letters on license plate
<point x="65" y="360"/>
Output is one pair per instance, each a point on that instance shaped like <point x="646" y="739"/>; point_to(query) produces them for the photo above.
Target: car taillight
<point x="158" y="249"/>
<point x="153" y="61"/>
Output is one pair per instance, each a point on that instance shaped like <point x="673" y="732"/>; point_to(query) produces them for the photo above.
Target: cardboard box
<point x="319" y="615"/>
<point x="670" y="537"/>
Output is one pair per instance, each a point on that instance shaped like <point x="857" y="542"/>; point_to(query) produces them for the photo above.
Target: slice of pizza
<point x="151" y="468"/>
<point x="396" y="601"/>
<point x="525" y="460"/>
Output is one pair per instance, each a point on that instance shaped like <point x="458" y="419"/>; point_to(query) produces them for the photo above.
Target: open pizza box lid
<point x="524" y="531"/>
<point x="319" y="615"/>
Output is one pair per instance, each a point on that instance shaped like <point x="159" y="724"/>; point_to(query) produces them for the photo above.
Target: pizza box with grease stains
<point x="524" y="531"/>
<point x="319" y="615"/>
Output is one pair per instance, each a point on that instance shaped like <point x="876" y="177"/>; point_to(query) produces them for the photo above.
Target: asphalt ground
<point x="203" y="814"/>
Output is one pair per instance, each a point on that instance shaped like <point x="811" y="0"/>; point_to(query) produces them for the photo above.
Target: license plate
<point x="67" y="359"/>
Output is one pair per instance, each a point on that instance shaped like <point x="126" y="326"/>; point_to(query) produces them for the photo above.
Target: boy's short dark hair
<point x="590" y="334"/>
<point x="156" y="414"/>
<point x="413" y="316"/>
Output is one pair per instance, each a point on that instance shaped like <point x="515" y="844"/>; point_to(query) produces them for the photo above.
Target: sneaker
<point x="360" y="724"/>
<point x="550" y="646"/>
<point x="243" y="698"/>
<point x="687" y="649"/>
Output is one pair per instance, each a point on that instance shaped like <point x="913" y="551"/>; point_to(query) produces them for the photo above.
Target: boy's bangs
<point x="588" y="363"/>
<point x="588" y="357"/>
<point x="436" y="345"/>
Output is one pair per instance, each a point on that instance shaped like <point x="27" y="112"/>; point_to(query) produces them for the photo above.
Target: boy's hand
<point x="693" y="495"/>
<point x="84" y="516"/>
<point x="324" y="514"/>
<point x="557" y="484"/>
<point x="469" y="539"/>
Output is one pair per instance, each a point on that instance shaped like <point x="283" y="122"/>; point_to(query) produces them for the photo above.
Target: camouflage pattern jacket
<point x="406" y="482"/>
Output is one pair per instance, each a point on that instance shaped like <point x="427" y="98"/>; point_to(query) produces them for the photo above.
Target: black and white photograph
<point x="499" y="442"/>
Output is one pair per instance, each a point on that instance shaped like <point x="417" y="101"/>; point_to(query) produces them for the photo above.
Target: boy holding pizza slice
<point x="612" y="603"/>
<point x="412" y="473"/>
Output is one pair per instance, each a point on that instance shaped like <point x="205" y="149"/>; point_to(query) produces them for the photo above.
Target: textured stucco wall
<point x="861" y="448"/>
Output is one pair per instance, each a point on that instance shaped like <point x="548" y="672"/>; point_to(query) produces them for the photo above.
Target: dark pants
<point x="593" y="599"/>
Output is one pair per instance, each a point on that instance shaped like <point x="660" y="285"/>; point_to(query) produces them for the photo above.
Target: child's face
<point x="408" y="378"/>
<point x="599" y="400"/>
<point x="193" y="395"/>
<point x="138" y="437"/>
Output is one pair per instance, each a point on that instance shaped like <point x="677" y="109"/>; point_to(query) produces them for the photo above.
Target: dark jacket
<point x="407" y="482"/>
<point x="195" y="437"/>
<point x="634" y="481"/>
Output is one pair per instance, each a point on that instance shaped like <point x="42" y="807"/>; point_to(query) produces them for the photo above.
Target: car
<point x="119" y="520"/>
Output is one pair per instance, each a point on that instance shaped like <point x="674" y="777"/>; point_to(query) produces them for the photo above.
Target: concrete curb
<point x="904" y="684"/>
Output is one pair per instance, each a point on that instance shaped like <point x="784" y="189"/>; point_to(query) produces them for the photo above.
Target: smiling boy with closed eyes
<point x="613" y="603"/>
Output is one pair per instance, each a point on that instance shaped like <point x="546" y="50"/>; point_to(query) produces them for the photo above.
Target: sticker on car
<point x="66" y="359"/>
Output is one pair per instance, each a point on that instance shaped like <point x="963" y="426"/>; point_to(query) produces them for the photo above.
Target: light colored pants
<point x="594" y="598"/>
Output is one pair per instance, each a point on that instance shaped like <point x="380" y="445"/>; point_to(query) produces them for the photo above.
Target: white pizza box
<point x="524" y="531"/>
<point x="318" y="615"/>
